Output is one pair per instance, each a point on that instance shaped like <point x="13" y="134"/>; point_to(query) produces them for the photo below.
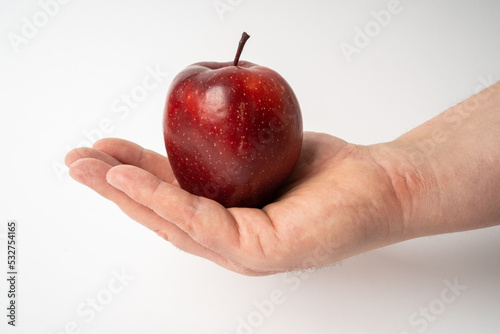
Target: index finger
<point x="204" y="220"/>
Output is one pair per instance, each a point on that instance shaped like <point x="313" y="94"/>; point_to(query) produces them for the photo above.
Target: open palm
<point x="337" y="202"/>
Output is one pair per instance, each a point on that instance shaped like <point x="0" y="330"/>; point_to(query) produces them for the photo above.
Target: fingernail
<point x="111" y="181"/>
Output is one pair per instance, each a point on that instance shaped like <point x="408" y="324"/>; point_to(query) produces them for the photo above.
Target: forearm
<point x="450" y="178"/>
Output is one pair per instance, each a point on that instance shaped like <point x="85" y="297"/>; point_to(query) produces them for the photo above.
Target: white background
<point x="70" y="74"/>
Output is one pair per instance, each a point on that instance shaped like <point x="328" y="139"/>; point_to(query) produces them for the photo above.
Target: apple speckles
<point x="241" y="107"/>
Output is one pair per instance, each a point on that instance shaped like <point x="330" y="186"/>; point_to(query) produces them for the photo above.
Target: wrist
<point x="414" y="184"/>
<point x="445" y="172"/>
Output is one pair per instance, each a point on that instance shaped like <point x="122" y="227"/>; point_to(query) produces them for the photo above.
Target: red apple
<point x="233" y="131"/>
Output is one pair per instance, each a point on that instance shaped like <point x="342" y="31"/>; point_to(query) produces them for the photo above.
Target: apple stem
<point x="243" y="40"/>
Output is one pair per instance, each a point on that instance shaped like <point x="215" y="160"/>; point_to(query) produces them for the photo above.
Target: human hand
<point x="338" y="202"/>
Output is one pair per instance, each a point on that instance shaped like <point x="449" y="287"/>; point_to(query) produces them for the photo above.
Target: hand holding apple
<point x="340" y="200"/>
<point x="233" y="131"/>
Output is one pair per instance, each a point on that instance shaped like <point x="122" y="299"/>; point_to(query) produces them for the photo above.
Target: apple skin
<point x="232" y="133"/>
